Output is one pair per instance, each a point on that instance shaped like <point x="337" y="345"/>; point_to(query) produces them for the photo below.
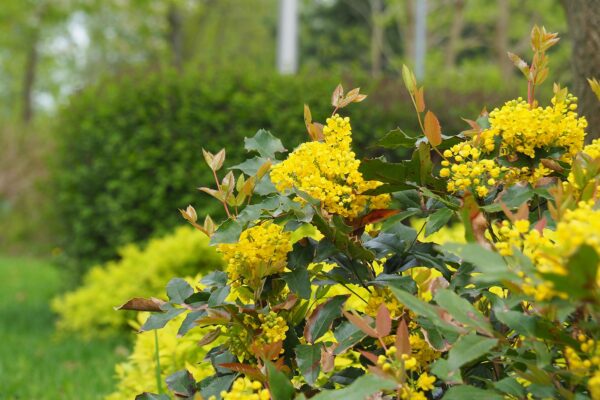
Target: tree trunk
<point x="455" y="33"/>
<point x="31" y="61"/>
<point x="583" y="17"/>
<point x="377" y="31"/>
<point x="407" y="31"/>
<point x="175" y="35"/>
<point x="501" y="38"/>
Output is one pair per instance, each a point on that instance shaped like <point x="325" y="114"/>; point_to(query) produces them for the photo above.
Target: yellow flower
<point x="328" y="171"/>
<point x="261" y="251"/>
<point x="273" y="327"/>
<point x="425" y="382"/>
<point x="525" y="130"/>
<point x="245" y="389"/>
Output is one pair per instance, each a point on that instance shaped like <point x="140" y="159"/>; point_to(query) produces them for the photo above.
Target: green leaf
<point x="264" y="143"/>
<point x="437" y="220"/>
<point x="250" y="166"/>
<point x="280" y="386"/>
<point x="308" y="358"/>
<point x="463" y="311"/>
<point x="152" y="396"/>
<point x="218" y="296"/>
<point x="338" y="234"/>
<point x="398" y="138"/>
<point x="322" y="317"/>
<point x="190" y="322"/>
<point x="580" y="282"/>
<point x="422" y="308"/>
<point x="159" y="320"/>
<point x="466" y="349"/>
<point x="513" y="198"/>
<point x="228" y="232"/>
<point x="182" y="384"/>
<point x="510" y="386"/>
<point x="347" y="335"/>
<point x="178" y="290"/>
<point x="299" y="282"/>
<point x="466" y="392"/>
<point x="361" y="389"/>
<point x="214" y="385"/>
<point x="405" y="283"/>
<point x="492" y="266"/>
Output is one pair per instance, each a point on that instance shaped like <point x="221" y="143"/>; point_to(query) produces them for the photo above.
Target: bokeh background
<point x="105" y="106"/>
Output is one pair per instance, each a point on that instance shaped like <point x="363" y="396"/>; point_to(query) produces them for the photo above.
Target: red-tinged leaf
<point x="210" y="337"/>
<point x="541" y="225"/>
<point x="337" y="96"/>
<point x="473" y="124"/>
<point x="383" y="322"/>
<point x="269" y="351"/>
<point x="287" y="304"/>
<point x="322" y="317"/>
<point x="369" y="356"/>
<point x="361" y="324"/>
<point x="316" y="129"/>
<point x="142" y="304"/>
<point x="402" y="339"/>
<point x="214" y="317"/>
<point x="308" y="120"/>
<point x="250" y="371"/>
<point x="519" y="63"/>
<point x="420" y="99"/>
<point x="377" y="371"/>
<point x="360" y="98"/>
<point x="327" y="358"/>
<point x="551" y="164"/>
<point x="374" y="217"/>
<point x="433" y="130"/>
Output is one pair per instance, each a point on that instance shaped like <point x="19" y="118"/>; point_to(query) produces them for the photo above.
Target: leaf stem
<point x="158" y="369"/>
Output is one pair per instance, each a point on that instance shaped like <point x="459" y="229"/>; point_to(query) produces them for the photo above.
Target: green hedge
<point x="129" y="149"/>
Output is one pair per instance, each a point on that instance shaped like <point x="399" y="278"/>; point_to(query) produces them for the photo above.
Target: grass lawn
<point x="34" y="362"/>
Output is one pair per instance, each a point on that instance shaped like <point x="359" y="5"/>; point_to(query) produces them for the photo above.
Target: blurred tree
<point x="584" y="27"/>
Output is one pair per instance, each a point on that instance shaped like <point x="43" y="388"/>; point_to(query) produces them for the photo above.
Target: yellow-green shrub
<point x="138" y="373"/>
<point x="139" y="272"/>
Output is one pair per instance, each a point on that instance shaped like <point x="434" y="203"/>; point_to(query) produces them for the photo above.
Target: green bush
<point x="129" y="151"/>
<point x="89" y="310"/>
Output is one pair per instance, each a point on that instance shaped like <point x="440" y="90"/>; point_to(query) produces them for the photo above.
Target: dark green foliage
<point x="129" y="151"/>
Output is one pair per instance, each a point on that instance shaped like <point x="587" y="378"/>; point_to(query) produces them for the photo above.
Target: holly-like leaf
<point x="308" y="358"/>
<point x="437" y="220"/>
<point x="298" y="282"/>
<point x="433" y="130"/>
<point x="362" y="388"/>
<point x="182" y="384"/>
<point x="361" y="323"/>
<point x="152" y="396"/>
<point x="464" y="392"/>
<point x="265" y="144"/>
<point x="159" y="320"/>
<point x="397" y="138"/>
<point x="466" y="349"/>
<point x="142" y="304"/>
<point x="279" y="385"/>
<point x="228" y="232"/>
<point x="322" y="317"/>
<point x="463" y="311"/>
<point x="178" y="290"/>
<point x="347" y="335"/>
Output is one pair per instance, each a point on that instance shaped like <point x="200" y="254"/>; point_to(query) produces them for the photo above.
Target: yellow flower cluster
<point x="245" y="389"/>
<point x="468" y="171"/>
<point x="577" y="227"/>
<point x="397" y="367"/>
<point x="524" y="129"/>
<point x="385" y="296"/>
<point x="586" y="362"/>
<point x="273" y="327"/>
<point x="593" y="149"/>
<point x="328" y="171"/>
<point x="261" y="251"/>
<point x="422" y="351"/>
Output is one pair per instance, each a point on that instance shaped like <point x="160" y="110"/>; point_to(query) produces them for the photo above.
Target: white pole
<point x="420" y="38"/>
<point x="287" y="43"/>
